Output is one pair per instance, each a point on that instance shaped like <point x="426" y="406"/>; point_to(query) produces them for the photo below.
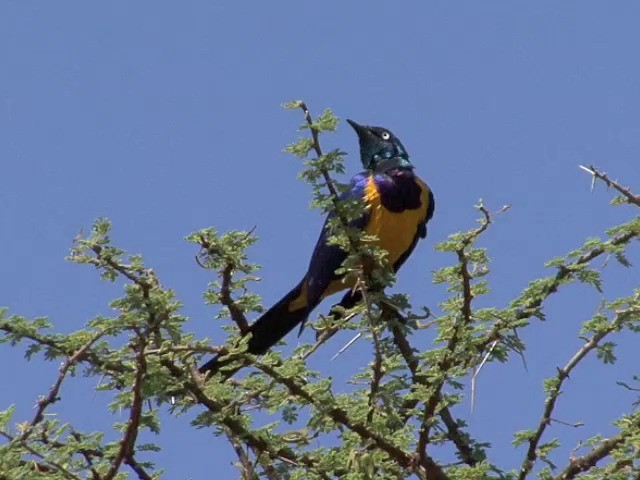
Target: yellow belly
<point x="395" y="230"/>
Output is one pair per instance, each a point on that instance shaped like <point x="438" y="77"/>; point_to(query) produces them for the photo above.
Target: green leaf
<point x="292" y="105"/>
<point x="522" y="436"/>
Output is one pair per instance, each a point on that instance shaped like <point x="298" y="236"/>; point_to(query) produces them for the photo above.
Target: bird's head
<point x="380" y="150"/>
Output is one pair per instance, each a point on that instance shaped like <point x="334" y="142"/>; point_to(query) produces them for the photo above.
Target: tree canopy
<point x="399" y="417"/>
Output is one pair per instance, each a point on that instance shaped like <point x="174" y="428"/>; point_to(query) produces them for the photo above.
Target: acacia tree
<point x="387" y="426"/>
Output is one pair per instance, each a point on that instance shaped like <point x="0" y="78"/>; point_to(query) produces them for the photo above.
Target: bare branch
<point x="625" y="191"/>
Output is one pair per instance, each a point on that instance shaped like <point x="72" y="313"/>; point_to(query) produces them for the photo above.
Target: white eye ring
<point x="385" y="136"/>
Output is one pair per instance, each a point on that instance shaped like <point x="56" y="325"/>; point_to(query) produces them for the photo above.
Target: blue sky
<point x="166" y="118"/>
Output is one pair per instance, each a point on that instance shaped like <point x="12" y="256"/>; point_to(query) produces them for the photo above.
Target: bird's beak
<point x="361" y="130"/>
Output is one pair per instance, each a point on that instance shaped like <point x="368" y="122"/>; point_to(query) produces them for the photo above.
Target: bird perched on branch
<point x="397" y="207"/>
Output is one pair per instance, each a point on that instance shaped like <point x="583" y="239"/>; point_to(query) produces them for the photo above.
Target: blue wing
<point x="326" y="259"/>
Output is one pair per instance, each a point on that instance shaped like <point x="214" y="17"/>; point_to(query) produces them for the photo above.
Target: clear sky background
<point x="166" y="118"/>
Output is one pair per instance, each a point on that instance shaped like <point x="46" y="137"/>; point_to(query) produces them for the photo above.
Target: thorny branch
<point x="581" y="464"/>
<point x="562" y="375"/>
<point x="625" y="191"/>
<point x="464" y="322"/>
<point x="567" y="271"/>
<point x="338" y="415"/>
<point x="563" y="274"/>
<point x="87" y="356"/>
<point x="46" y="461"/>
<point x="147" y="282"/>
<point x="52" y="397"/>
<point x="87" y="454"/>
<point x="185" y="349"/>
<point x="237" y="315"/>
<point x="247" y="466"/>
<point x="405" y="459"/>
<point x="236" y="427"/>
<point x="88" y="457"/>
<point x="459" y="438"/>
<point x="316" y="146"/>
<point x="267" y="467"/>
<point x="127" y="444"/>
<point x="322" y="336"/>
<point x="236" y="312"/>
<point x="145" y="279"/>
<point x="587" y="462"/>
<point x="137" y="468"/>
<point x="377" y="373"/>
<point x="463" y="261"/>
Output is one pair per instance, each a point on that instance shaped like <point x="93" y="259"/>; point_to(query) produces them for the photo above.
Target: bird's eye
<point x="385" y="135"/>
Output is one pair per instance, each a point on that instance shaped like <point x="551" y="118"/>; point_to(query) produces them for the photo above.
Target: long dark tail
<point x="268" y="329"/>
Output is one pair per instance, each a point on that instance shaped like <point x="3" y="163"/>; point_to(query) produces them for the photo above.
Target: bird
<point x="397" y="207"/>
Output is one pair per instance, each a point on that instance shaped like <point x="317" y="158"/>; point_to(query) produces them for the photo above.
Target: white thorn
<point x="592" y="173"/>
<point x="477" y="372"/>
<point x="349" y="343"/>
